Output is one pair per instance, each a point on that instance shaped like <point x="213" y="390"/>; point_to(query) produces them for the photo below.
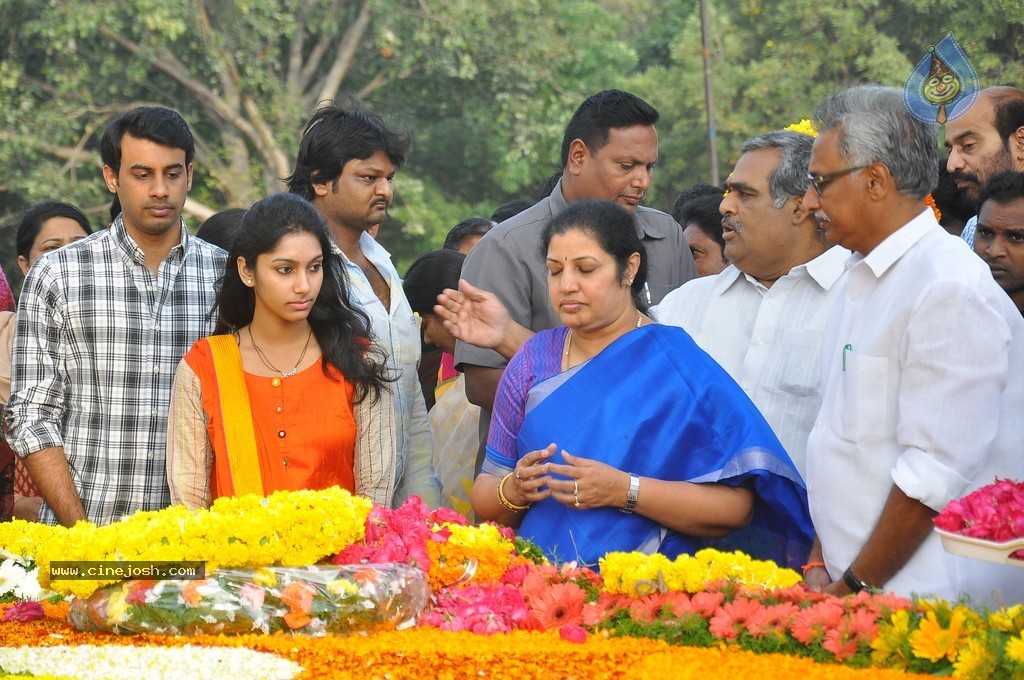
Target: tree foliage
<point x="486" y="88"/>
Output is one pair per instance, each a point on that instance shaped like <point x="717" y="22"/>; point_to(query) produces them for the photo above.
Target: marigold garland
<point x="637" y="574"/>
<point x="406" y="654"/>
<point x="288" y="528"/>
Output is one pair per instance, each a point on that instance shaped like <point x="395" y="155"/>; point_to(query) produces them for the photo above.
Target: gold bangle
<point x="506" y="503"/>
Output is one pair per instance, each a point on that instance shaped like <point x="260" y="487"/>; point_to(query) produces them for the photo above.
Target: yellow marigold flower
<point x="117" y="607"/>
<point x="933" y="641"/>
<point x="888" y="647"/>
<point x="288" y="528"/>
<point x="975" y="661"/>
<point x="636" y="574"/>
<point x="342" y="587"/>
<point x="1008" y="619"/>
<point x="804" y="126"/>
<point x="1015" y="649"/>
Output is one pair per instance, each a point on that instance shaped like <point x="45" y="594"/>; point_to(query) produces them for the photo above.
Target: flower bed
<point x="498" y="610"/>
<point x="421" y="652"/>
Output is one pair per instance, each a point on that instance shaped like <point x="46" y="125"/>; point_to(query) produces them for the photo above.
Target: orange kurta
<point x="304" y="426"/>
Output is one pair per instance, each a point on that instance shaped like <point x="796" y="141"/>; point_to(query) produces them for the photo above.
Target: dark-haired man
<point x="999" y="239"/>
<point x="988" y="138"/>
<point x="345" y="167"/>
<point x="696" y="211"/>
<point x="609" y="150"/>
<point x="102" y="326"/>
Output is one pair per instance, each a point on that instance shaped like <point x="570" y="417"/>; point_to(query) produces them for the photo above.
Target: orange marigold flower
<point x="929" y="200"/>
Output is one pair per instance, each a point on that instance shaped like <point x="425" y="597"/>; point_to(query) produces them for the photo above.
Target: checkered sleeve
<point x="36" y="409"/>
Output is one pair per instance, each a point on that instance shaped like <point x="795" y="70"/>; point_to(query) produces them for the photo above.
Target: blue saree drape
<point x="655" y="404"/>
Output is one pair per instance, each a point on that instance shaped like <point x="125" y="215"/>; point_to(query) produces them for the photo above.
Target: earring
<point x="249" y="281"/>
<point x="631" y="282"/>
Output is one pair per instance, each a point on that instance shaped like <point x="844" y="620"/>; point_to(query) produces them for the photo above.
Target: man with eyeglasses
<point x="762" y="318"/>
<point x="909" y="420"/>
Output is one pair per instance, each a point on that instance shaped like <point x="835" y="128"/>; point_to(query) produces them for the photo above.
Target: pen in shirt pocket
<point x="846" y="348"/>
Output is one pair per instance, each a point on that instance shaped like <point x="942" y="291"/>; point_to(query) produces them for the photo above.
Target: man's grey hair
<point x="789" y="178"/>
<point x="874" y="126"/>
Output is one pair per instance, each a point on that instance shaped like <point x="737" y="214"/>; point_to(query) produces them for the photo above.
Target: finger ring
<point x="577" y="501"/>
<point x="518" y="477"/>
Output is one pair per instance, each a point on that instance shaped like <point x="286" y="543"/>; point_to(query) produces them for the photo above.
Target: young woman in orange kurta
<point x="281" y="396"/>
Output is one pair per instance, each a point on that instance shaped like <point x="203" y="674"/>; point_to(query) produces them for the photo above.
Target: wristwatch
<point x="854" y="583"/>
<point x="632" y="494"/>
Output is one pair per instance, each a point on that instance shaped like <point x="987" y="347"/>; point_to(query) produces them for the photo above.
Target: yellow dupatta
<point x="239" y="433"/>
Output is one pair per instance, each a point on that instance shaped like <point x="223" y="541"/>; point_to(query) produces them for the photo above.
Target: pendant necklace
<point x="272" y="367"/>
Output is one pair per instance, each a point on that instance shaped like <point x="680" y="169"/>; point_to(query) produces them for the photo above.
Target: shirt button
<point x="156" y="369"/>
<point x="278" y="409"/>
<point x="276" y="382"/>
<point x="284" y="461"/>
<point x="149" y="288"/>
<point x="281" y="434"/>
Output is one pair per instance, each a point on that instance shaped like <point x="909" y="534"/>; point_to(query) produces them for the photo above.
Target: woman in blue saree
<point x="613" y="433"/>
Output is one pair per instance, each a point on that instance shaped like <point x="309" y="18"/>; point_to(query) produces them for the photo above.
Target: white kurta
<point x="397" y="331"/>
<point x="922" y="386"/>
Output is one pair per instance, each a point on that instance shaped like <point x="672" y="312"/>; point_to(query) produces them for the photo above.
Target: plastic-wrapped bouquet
<point x="993" y="513"/>
<point x="303" y="600"/>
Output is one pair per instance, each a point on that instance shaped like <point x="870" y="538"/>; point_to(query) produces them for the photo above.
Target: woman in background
<point x="454" y="422"/>
<point x="281" y="396"/>
<point x="45" y="227"/>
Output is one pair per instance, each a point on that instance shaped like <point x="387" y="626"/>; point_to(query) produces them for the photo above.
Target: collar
<point x="645" y="228"/>
<point x="369" y="246"/>
<point x="127" y="245"/>
<point x="825" y="270"/>
<point x="828" y="267"/>
<point x="895" y="246"/>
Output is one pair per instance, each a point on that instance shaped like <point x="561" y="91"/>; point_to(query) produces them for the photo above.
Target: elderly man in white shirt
<point x="922" y="365"/>
<point x="762" y="318"/>
<point x="346" y="164"/>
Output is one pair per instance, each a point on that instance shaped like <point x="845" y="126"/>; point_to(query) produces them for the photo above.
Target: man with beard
<point x="986" y="139"/>
<point x="909" y="420"/>
<point x="762" y="318"/>
<point x="346" y="165"/>
<point x="1000" y="236"/>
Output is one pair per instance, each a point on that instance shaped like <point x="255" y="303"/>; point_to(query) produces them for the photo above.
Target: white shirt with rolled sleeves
<point x="768" y="339"/>
<point x="397" y="332"/>
<point x="922" y="387"/>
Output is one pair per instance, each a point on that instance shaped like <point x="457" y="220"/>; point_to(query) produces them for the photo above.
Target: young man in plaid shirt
<point x="103" y="323"/>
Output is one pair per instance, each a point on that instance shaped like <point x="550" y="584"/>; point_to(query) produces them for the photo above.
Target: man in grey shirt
<point x="609" y="150"/>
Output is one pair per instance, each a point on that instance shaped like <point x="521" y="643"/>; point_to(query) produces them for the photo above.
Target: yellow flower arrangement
<point x="288" y="528"/>
<point x="449" y="560"/>
<point x="636" y="574"/>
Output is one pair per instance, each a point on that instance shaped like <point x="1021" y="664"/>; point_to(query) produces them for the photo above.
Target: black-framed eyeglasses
<point x="819" y="181"/>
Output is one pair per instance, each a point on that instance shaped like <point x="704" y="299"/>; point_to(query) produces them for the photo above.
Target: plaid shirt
<point x="97" y="343"/>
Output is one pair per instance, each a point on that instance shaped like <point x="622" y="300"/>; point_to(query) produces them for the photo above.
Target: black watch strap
<point x="854" y="583"/>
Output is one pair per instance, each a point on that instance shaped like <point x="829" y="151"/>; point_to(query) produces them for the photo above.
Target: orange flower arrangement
<point x="403" y="655"/>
